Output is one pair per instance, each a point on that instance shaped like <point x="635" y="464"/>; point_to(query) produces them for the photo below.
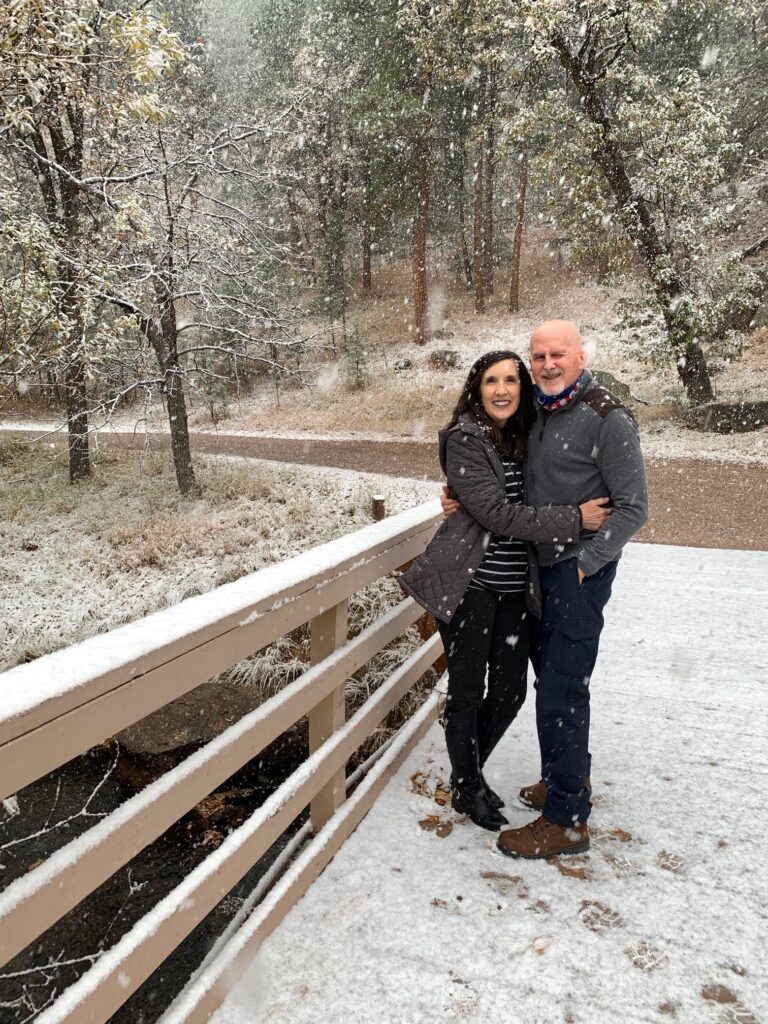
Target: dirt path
<point x="694" y="502"/>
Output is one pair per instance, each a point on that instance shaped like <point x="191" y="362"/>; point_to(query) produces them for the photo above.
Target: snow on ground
<point x="666" y="919"/>
<point x="670" y="440"/>
<point x="78" y="562"/>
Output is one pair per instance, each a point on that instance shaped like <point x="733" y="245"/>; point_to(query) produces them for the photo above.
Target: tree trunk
<point x="488" y="187"/>
<point x="162" y="336"/>
<point x="603" y="266"/>
<point x="62" y="200"/>
<point x="466" y="262"/>
<point x="77" y="419"/>
<point x="177" y="419"/>
<point x="517" y="243"/>
<point x="419" y="253"/>
<point x="297" y="243"/>
<point x="366" y="254"/>
<point x="75" y="379"/>
<point x="366" y="228"/>
<point x="477" y="234"/>
<point x="693" y="372"/>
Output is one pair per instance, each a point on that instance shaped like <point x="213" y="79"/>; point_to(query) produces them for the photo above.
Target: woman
<point x="478" y="575"/>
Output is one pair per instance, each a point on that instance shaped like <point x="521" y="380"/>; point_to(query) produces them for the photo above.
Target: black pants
<point x="488" y="634"/>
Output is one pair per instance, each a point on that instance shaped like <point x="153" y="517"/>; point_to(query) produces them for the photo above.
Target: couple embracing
<point x="545" y="486"/>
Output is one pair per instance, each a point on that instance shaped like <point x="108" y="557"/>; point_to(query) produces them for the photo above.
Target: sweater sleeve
<point x="481" y="494"/>
<point x="620" y="462"/>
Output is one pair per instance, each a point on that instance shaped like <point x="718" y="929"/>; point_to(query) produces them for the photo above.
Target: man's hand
<point x="594" y="513"/>
<point x="450" y="505"/>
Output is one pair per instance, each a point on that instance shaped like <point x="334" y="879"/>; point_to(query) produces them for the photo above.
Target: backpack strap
<point x="604" y="402"/>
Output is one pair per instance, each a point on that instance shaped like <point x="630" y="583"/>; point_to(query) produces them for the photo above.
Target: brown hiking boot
<point x="535" y="796"/>
<point x="542" y="838"/>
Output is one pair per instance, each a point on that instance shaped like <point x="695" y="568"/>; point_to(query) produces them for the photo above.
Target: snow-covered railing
<point x="62" y="704"/>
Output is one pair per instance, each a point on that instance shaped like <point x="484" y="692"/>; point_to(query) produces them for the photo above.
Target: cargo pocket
<point x="573" y="646"/>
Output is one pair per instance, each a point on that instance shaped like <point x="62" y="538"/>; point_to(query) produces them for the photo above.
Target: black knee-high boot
<point x="468" y="791"/>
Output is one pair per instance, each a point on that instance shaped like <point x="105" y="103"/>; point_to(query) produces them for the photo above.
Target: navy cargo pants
<point x="564" y="651"/>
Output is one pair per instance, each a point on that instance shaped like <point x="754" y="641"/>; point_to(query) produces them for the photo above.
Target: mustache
<point x="550" y="374"/>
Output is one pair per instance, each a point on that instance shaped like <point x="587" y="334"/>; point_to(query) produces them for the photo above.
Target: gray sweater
<point x="439" y="578"/>
<point x="588" y="450"/>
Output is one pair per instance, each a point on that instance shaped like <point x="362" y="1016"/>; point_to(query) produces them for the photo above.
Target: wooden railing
<point x="64" y="703"/>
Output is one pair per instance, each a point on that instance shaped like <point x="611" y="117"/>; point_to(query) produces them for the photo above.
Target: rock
<point x="728" y="417"/>
<point x="442" y="334"/>
<point x="607" y="380"/>
<point x="444" y="358"/>
<point x="190" y="720"/>
<point x="403" y="364"/>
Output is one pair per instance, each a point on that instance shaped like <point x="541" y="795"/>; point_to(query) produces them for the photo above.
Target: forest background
<point x="196" y="198"/>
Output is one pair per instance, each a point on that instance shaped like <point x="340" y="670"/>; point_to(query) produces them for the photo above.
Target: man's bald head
<point x="557" y="355"/>
<point x="564" y="331"/>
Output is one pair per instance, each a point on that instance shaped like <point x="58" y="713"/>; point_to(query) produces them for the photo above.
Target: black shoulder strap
<point x="603" y="401"/>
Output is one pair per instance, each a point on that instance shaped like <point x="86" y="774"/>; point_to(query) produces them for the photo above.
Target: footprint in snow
<point x="670" y="861"/>
<point x="622" y="865"/>
<point x="599" y="918"/>
<point x="729" y="1009"/>
<point x="645" y="957"/>
<point x="506" y="885"/>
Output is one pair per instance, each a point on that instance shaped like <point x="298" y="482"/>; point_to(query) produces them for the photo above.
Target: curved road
<point x="694" y="502"/>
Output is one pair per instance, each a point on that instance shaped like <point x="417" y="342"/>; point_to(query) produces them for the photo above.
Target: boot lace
<point x="539" y="827"/>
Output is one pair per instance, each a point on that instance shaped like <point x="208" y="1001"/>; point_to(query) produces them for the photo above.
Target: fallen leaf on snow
<point x="419" y="784"/>
<point x="572" y="870"/>
<point x="434" y="823"/>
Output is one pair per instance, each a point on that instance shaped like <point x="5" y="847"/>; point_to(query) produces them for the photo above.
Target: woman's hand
<point x="593" y="513"/>
<point x="450" y="505"/>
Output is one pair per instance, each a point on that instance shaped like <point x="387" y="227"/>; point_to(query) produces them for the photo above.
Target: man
<point x="584" y="444"/>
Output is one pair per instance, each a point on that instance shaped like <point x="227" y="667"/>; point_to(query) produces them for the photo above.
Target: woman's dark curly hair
<point x="512" y="439"/>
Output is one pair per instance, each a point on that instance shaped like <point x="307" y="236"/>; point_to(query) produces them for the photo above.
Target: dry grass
<point x="757" y="343"/>
<point x="392" y="405"/>
<point x="668" y="412"/>
<point x="279" y="664"/>
<point x="85" y="559"/>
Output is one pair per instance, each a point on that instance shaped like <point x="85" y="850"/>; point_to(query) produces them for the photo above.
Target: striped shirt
<point x="505" y="563"/>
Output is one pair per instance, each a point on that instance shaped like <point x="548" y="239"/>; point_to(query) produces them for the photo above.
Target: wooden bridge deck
<point x="419" y="918"/>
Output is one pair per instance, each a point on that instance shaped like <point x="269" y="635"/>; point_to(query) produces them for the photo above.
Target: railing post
<point x="328" y="631"/>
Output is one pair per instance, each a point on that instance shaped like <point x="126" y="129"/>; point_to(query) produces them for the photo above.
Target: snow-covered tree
<point x="197" y="264"/>
<point x="645" y="147"/>
<point x="75" y="74"/>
